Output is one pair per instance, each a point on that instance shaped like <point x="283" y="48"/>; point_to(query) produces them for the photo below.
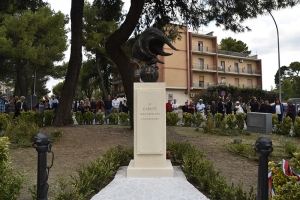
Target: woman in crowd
<point x="87" y="105"/>
<point x="100" y="105"/>
<point x="278" y="109"/>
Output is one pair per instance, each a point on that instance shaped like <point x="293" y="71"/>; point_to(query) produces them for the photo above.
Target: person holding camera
<point x="254" y="104"/>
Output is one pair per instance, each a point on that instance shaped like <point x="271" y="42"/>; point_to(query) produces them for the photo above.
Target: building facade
<point x="198" y="64"/>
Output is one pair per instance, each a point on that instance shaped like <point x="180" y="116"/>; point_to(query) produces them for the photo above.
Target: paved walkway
<point x="122" y="188"/>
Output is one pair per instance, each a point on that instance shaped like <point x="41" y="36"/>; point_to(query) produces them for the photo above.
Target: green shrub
<point x="49" y="116"/>
<point x="88" y="117"/>
<point x="124" y="119"/>
<point x="284" y="128"/>
<point x="3" y="121"/>
<point x="199" y="120"/>
<point x="230" y="121"/>
<point x="209" y="126"/>
<point x="218" y="120"/>
<point x="21" y="132"/>
<point x="274" y="122"/>
<point x="172" y="118"/>
<point x="99" y="119"/>
<point x="96" y="175"/>
<point x="71" y="120"/>
<point x="113" y="118"/>
<point x="295" y="161"/>
<point x="239" y="120"/>
<point x="189" y="119"/>
<point x="202" y="174"/>
<point x="56" y="135"/>
<point x="297" y="127"/>
<point x="79" y="117"/>
<point x="290" y="148"/>
<point x="10" y="182"/>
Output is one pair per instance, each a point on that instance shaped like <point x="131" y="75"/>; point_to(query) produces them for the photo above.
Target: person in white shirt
<point x="238" y="108"/>
<point x="200" y="107"/>
<point x="175" y="106"/>
<point x="115" y="104"/>
<point x="53" y="102"/>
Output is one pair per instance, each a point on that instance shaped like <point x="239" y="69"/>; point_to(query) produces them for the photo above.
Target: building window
<point x="236" y="82"/>
<point x="201" y="63"/>
<point x="236" y="67"/>
<point x="200" y="46"/>
<point x="249" y="83"/>
<point x="223" y="80"/>
<point x="201" y="81"/>
<point x="249" y="68"/>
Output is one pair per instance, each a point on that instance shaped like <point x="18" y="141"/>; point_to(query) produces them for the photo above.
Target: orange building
<point x="199" y="64"/>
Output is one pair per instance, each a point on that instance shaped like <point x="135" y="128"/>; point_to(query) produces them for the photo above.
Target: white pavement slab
<point x="123" y="188"/>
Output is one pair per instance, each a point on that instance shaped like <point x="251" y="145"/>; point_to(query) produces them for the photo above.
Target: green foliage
<point x="189" y="119"/>
<point x="79" y="117"/>
<point x="172" y="118"/>
<point x="286" y="88"/>
<point x="49" y="116"/>
<point x="99" y="119"/>
<point x="96" y="175"/>
<point x="113" y="118"/>
<point x="32" y="116"/>
<point x="274" y="120"/>
<point x="56" y="135"/>
<point x="209" y="126"/>
<point x="230" y="121"/>
<point x="88" y="117"/>
<point x="21" y="132"/>
<point x="3" y="121"/>
<point x="239" y="120"/>
<point x="202" y="174"/>
<point x="10" y="182"/>
<point x="290" y="148"/>
<point x="218" y="120"/>
<point x="297" y="127"/>
<point x="231" y="44"/>
<point x="284" y="128"/>
<point x="71" y="120"/>
<point x="199" y="120"/>
<point x="124" y="119"/>
<point x="56" y="89"/>
<point x="295" y="161"/>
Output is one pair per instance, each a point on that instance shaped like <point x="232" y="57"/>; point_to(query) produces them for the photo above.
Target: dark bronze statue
<point x="146" y="48"/>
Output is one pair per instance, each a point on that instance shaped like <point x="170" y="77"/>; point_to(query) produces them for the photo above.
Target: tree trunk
<point x="64" y="107"/>
<point x="118" y="56"/>
<point x="104" y="92"/>
<point x="22" y="83"/>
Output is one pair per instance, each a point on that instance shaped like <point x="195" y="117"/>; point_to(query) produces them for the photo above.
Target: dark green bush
<point x="113" y="118"/>
<point x="172" y="118"/>
<point x="99" y="119"/>
<point x="124" y="119"/>
<point x="88" y="117"/>
<point x="189" y="119"/>
<point x="209" y="126"/>
<point x="79" y="117"/>
<point x="218" y="120"/>
<point x="49" y="116"/>
<point x="239" y="120"/>
<point x="10" y="182"/>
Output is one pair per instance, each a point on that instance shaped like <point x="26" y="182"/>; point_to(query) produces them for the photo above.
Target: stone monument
<point x="149" y="110"/>
<point x="259" y="122"/>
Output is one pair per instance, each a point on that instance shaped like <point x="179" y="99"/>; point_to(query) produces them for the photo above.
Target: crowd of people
<point x="225" y="106"/>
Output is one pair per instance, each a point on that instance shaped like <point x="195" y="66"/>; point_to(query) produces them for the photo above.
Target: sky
<point x="261" y="40"/>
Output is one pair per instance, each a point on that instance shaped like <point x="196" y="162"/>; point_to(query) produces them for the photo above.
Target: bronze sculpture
<point x="146" y="48"/>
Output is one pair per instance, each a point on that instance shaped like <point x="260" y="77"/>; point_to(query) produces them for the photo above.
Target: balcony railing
<point x="203" y="49"/>
<point x="238" y="70"/>
<point x="204" y="67"/>
<point x="233" y="53"/>
<point x="203" y="85"/>
<point x="241" y="85"/>
<point x="119" y="93"/>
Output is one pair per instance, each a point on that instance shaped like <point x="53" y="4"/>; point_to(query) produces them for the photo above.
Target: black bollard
<point x="263" y="148"/>
<point x="42" y="145"/>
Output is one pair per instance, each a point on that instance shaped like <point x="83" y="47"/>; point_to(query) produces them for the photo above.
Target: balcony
<point x="242" y="71"/>
<point x="198" y="67"/>
<point x="241" y="85"/>
<point x="119" y="93"/>
<point x="237" y="54"/>
<point x="203" y="49"/>
<point x="203" y="85"/>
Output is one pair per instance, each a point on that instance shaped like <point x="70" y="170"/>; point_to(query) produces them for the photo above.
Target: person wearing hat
<point x="200" y="107"/>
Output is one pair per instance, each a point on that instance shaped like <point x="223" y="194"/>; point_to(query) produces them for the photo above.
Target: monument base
<point x="151" y="172"/>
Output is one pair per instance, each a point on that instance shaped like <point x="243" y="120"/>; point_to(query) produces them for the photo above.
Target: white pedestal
<point x="150" y="132"/>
